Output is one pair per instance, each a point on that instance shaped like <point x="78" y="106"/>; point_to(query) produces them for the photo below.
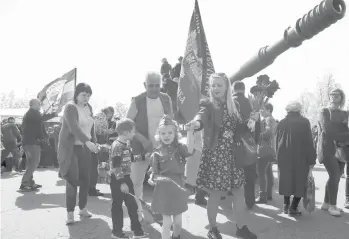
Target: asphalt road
<point x="41" y="215"/>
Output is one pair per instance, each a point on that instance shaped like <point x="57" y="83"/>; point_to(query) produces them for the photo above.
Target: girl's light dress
<point x="168" y="162"/>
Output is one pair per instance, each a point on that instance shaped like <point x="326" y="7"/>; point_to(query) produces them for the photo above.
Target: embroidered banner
<point x="58" y="92"/>
<point x="197" y="66"/>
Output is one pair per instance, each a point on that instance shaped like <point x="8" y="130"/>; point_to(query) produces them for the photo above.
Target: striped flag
<point x="197" y="66"/>
<point x="58" y="92"/>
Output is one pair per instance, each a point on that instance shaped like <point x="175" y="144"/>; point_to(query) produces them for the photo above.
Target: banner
<point x="58" y="92"/>
<point x="197" y="66"/>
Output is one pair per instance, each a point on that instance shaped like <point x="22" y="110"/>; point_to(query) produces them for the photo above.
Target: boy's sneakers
<point x="140" y="234"/>
<point x="84" y="213"/>
<point x="245" y="233"/>
<point x="70" y="218"/>
<point x="213" y="233"/>
<point x="120" y="235"/>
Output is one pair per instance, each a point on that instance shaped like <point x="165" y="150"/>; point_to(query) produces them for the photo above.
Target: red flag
<point x="197" y="66"/>
<point x="58" y="92"/>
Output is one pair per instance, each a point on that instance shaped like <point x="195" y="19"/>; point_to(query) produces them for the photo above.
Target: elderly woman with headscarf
<point x="332" y="141"/>
<point x="295" y="154"/>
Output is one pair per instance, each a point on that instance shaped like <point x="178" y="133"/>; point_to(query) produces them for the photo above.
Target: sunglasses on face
<point x="335" y="95"/>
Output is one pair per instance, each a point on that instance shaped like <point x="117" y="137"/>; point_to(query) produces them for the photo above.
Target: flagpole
<point x="76" y="72"/>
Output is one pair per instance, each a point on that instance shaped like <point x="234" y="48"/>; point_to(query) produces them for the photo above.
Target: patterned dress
<point x="217" y="170"/>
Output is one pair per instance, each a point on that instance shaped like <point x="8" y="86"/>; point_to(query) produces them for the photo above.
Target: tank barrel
<point x="316" y="20"/>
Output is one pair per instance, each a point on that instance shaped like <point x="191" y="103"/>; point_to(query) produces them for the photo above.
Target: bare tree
<point x="120" y="110"/>
<point x="323" y="88"/>
<point x="312" y="103"/>
<point x="11" y="100"/>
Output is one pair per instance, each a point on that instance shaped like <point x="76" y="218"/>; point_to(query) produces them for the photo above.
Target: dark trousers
<point x="94" y="172"/>
<point x="295" y="201"/>
<point x="335" y="170"/>
<point x="10" y="147"/>
<point x="101" y="139"/>
<point x="55" y="158"/>
<point x="116" y="208"/>
<point x="250" y="179"/>
<point x="78" y="175"/>
<point x="347" y="182"/>
<point x="265" y="176"/>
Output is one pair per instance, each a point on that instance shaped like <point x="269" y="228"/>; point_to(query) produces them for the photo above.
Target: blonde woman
<point x="333" y="134"/>
<point x="218" y="175"/>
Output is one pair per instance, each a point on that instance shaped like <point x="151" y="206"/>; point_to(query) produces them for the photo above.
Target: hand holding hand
<point x="124" y="188"/>
<point x="92" y="147"/>
<point x="192" y="125"/>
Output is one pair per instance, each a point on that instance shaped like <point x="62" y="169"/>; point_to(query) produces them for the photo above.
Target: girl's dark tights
<point x="295" y="201"/>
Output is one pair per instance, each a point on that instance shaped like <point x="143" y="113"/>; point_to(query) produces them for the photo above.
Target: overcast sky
<point x="114" y="43"/>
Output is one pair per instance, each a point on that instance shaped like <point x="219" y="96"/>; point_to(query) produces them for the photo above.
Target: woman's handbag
<point x="266" y="151"/>
<point x="340" y="154"/>
<point x="245" y="151"/>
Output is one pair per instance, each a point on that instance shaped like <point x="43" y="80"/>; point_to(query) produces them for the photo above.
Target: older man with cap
<point x="33" y="135"/>
<point x="146" y="110"/>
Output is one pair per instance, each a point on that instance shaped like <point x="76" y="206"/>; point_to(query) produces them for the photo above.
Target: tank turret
<point x="316" y="20"/>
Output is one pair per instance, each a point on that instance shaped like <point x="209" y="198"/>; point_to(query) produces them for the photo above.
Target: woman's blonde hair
<point x="231" y="106"/>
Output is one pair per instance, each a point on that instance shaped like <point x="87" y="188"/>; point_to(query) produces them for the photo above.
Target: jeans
<point x="250" y="179"/>
<point x="265" y="176"/>
<point x="79" y="171"/>
<point x="335" y="170"/>
<point x="138" y="171"/>
<point x="33" y="153"/>
<point x="130" y="202"/>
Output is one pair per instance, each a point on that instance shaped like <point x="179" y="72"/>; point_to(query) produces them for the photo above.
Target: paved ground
<point x="42" y="215"/>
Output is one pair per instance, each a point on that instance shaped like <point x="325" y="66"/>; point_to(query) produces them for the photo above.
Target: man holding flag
<point x="33" y="137"/>
<point x="197" y="66"/>
<point x="51" y="99"/>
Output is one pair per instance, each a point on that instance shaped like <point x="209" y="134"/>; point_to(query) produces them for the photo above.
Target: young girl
<point x="168" y="163"/>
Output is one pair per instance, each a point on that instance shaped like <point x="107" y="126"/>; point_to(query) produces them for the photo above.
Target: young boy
<point x="121" y="184"/>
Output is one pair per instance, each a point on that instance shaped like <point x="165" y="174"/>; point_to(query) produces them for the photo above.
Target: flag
<point x="197" y="66"/>
<point x="58" y="92"/>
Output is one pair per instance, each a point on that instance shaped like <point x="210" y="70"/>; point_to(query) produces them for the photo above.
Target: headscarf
<point x="294" y="106"/>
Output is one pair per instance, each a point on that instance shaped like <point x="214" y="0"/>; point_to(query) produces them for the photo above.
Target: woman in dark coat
<point x="333" y="134"/>
<point x="296" y="155"/>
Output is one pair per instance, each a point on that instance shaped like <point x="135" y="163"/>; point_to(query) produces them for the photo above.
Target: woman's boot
<point x="263" y="199"/>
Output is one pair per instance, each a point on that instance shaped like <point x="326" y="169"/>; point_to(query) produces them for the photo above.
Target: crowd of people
<point x="213" y="162"/>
